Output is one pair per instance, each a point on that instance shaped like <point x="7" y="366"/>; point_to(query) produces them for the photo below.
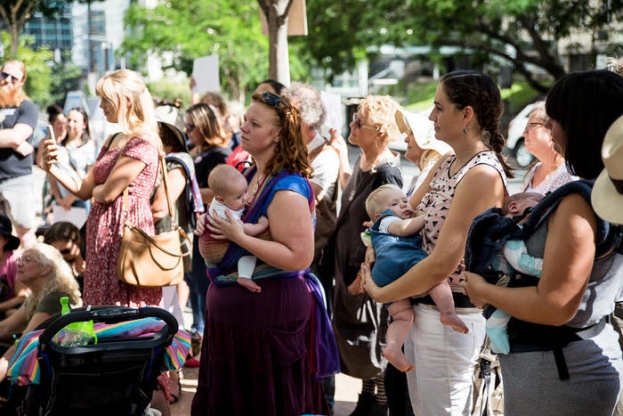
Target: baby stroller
<point x="115" y="376"/>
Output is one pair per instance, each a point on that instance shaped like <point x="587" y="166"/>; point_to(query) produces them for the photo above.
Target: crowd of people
<point x="302" y="266"/>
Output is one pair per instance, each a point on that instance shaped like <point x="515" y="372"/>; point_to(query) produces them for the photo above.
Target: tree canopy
<point x="179" y="31"/>
<point x="519" y="33"/>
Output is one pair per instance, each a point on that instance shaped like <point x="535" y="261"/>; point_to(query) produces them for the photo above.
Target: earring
<point x="464" y="131"/>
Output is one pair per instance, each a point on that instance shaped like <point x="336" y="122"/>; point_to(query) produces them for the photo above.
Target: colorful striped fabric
<point x="24" y="366"/>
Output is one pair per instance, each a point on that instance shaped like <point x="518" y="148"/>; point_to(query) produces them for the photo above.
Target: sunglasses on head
<point x="270" y="98"/>
<point x="11" y="78"/>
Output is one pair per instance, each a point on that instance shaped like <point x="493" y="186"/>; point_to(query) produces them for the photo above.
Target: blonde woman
<point x="128" y="159"/>
<point x="359" y="322"/>
<point x="42" y="268"/>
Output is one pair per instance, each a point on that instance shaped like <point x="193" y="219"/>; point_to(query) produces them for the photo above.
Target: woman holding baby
<point x="464" y="183"/>
<point x="256" y="356"/>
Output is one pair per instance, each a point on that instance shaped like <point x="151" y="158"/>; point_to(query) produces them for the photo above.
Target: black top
<point x="12" y="164"/>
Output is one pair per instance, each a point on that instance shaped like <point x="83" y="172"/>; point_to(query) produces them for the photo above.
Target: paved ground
<point x="346" y="391"/>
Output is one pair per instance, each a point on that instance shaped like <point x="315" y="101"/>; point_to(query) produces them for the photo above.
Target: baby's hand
<point x="263" y="221"/>
<point x="200" y="227"/>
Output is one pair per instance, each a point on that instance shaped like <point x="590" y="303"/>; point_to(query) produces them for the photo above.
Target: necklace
<point x="258" y="184"/>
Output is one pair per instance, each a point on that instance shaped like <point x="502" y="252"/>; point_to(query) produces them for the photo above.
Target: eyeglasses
<point x="12" y="78"/>
<point x="270" y="98"/>
<point x="532" y="126"/>
<point x="362" y="126"/>
<point x="65" y="251"/>
<point x="189" y="127"/>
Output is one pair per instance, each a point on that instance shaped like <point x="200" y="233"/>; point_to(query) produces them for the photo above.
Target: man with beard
<point x="18" y="118"/>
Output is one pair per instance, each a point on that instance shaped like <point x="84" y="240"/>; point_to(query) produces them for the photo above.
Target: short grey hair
<point x="307" y="99"/>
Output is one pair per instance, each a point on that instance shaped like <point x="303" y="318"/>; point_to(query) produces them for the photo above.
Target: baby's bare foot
<point x="453" y="321"/>
<point x="398" y="359"/>
<point x="249" y="284"/>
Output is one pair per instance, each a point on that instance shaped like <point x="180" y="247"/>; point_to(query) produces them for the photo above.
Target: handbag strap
<point x="166" y="188"/>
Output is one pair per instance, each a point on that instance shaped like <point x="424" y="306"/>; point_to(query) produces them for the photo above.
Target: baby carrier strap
<point x="541" y="212"/>
<point x="224" y="273"/>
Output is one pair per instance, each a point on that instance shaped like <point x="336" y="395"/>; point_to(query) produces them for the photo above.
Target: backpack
<point x="191" y="195"/>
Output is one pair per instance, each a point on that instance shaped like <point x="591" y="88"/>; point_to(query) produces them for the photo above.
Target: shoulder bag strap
<point x="166" y="188"/>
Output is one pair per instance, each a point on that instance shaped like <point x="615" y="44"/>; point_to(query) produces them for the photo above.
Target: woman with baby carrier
<point x="564" y="356"/>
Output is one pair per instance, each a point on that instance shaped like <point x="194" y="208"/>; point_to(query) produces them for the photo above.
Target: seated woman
<point x="66" y="238"/>
<point x="12" y="292"/>
<point x="42" y="268"/>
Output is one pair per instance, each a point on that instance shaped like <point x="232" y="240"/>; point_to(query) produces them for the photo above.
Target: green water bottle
<point x="76" y="334"/>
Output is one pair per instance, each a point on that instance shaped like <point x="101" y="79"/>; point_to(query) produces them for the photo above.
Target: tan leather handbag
<point x="157" y="260"/>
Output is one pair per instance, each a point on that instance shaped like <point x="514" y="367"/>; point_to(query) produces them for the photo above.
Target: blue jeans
<point x="198" y="283"/>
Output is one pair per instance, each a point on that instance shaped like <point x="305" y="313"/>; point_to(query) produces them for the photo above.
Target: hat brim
<point x="13" y="243"/>
<point x="423" y="131"/>
<point x="179" y="135"/>
<point x="606" y="201"/>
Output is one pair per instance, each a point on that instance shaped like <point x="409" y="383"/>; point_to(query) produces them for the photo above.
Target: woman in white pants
<point x="462" y="184"/>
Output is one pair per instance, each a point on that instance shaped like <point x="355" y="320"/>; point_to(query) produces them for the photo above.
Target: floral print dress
<point x="105" y="228"/>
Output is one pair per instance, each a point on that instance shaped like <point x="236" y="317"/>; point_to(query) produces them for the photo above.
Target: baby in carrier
<point x="230" y="194"/>
<point x="508" y="257"/>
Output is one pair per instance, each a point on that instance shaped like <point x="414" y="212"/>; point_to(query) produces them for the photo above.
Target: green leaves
<point x="181" y="30"/>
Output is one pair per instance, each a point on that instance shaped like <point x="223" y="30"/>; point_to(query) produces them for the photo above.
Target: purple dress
<point x="256" y="357"/>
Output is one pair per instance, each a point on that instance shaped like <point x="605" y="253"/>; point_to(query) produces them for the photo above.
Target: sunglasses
<point x="65" y="251"/>
<point x="189" y="127"/>
<point x="361" y="126"/>
<point x="12" y="78"/>
<point x="270" y="98"/>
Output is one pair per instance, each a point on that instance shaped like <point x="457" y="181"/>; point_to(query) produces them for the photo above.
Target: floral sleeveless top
<point x="436" y="203"/>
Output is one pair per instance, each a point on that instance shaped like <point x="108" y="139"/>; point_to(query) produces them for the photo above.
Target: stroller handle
<point x="108" y="314"/>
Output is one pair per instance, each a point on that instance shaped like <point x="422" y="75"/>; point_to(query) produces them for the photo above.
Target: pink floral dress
<point x="105" y="228"/>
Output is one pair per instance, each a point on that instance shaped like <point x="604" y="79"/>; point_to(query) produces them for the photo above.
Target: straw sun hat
<point x="607" y="195"/>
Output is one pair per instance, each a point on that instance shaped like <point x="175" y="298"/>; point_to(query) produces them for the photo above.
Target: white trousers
<point x="442" y="381"/>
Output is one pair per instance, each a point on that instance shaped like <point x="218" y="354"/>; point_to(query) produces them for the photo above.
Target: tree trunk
<point x="278" y="58"/>
<point x="14" y="16"/>
<point x="14" y="32"/>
